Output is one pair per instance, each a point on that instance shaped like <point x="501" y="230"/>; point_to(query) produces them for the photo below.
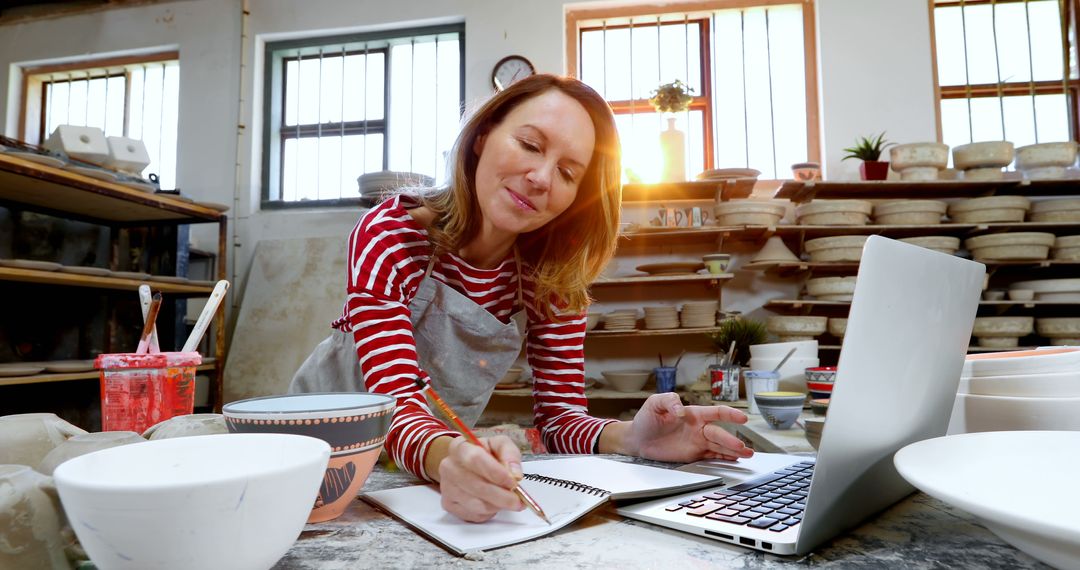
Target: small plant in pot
<point x="744" y="332"/>
<point x="673" y="97"/>
<point x="869" y="149"/>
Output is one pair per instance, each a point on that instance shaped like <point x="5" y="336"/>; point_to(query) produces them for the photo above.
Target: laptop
<point x="900" y="364"/>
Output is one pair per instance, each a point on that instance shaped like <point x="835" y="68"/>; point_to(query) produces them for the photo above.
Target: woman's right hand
<point x="477" y="482"/>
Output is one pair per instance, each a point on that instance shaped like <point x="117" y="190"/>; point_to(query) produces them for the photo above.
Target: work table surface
<point x="918" y="532"/>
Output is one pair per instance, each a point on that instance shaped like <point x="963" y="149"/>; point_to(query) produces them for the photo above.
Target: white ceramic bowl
<point x="787" y="325"/>
<point x="1036" y="513"/>
<point x="777" y="350"/>
<point x="903" y="212"/>
<point x="1003" y="326"/>
<point x="945" y="244"/>
<point x="626" y="380"/>
<point x="989" y="209"/>
<point x="835" y="248"/>
<point x="1041" y="361"/>
<point x="1008" y="413"/>
<point x="831" y="288"/>
<point x="1051" y="385"/>
<point x="919" y="161"/>
<point x="834" y="212"/>
<point x="212" y="501"/>
<point x="985" y="154"/>
<point x="1045" y="160"/>
<point x="792" y="373"/>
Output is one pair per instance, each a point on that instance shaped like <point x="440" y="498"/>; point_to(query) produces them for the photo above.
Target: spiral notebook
<point x="566" y="489"/>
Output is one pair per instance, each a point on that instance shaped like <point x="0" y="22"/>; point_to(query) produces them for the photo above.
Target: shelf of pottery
<point x="1024" y="226"/>
<point x="661" y="294"/>
<point x="38" y="181"/>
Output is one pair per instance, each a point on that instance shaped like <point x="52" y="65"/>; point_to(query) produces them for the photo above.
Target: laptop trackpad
<point x="742" y="470"/>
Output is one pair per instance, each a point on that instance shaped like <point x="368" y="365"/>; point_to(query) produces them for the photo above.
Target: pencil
<point x="464" y="429"/>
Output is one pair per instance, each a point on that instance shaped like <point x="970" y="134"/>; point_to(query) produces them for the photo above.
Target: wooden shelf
<point x="971" y="349"/>
<point x="791" y="304"/>
<point x="93" y="374"/>
<point x="806" y="191"/>
<point x="785" y="269"/>
<point x="722" y="190"/>
<point x="649" y="332"/>
<point x="76" y="280"/>
<point x="645" y="280"/>
<point x="72" y="195"/>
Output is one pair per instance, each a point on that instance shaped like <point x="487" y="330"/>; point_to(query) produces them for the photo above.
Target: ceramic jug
<point x="25" y="439"/>
<point x="185" y="426"/>
<point x="86" y="443"/>
<point x="30" y="520"/>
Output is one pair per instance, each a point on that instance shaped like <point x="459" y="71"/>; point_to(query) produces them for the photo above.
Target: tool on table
<point x="145" y="297"/>
<point x="207" y="314"/>
<point x="148" y="326"/>
<point x="464" y="429"/>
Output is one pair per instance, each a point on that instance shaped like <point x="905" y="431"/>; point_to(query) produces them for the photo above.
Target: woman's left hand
<point x="666" y="430"/>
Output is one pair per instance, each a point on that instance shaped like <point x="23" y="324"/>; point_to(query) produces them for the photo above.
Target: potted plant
<point x="671" y="98"/>
<point x="868" y="149"/>
<point x="744" y="332"/>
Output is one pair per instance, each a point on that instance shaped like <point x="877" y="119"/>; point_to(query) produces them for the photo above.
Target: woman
<point x="446" y="287"/>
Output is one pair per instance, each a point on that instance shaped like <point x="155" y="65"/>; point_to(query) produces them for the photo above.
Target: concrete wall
<point x="874" y="66"/>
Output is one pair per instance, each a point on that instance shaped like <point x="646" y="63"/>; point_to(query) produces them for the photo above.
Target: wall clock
<point x="510" y="69"/>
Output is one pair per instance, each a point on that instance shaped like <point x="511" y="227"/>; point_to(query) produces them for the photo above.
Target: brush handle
<point x="207" y="314"/>
<point x="145" y="297"/>
<point x="148" y="326"/>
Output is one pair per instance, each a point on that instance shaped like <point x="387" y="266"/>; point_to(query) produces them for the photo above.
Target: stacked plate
<point x="1057" y="290"/>
<point x="378" y="185"/>
<point x="661" y="318"/>
<point x="699" y="314"/>
<point x="624" y="320"/>
<point x="1020" y="390"/>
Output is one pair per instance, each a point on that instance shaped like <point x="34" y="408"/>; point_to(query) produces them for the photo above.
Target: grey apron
<point x="464" y="349"/>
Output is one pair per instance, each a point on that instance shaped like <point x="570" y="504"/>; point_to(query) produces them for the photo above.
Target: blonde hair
<point x="570" y="251"/>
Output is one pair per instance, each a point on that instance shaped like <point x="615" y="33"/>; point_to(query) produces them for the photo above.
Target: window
<point x="339" y="107"/>
<point x="130" y="97"/>
<point x="754" y="91"/>
<point x="1006" y="70"/>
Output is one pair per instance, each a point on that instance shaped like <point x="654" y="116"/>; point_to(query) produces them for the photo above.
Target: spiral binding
<point x="567" y="484"/>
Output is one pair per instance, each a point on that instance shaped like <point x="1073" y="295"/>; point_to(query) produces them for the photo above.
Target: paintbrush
<point x="464" y="429"/>
<point x="148" y="326"/>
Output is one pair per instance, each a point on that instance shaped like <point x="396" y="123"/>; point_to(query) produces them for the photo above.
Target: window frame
<point x="32" y="109"/>
<point x="574" y="17"/>
<point x="1071" y="21"/>
<point x="274" y="76"/>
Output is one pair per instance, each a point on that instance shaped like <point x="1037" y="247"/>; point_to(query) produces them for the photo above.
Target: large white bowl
<point x="626" y="380"/>
<point x="1051" y="385"/>
<point x="1051" y="360"/>
<point x="1006" y="413"/>
<point x="777" y="350"/>
<point x="213" y="501"/>
<point x="1027" y="497"/>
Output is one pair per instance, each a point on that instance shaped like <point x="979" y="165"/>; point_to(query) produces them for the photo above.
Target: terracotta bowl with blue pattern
<point x="355" y="425"/>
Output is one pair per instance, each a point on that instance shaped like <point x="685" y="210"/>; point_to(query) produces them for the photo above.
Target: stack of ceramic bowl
<point x="623" y="320"/>
<point x="1055" y="211"/>
<point x="1025" y="390"/>
<point x="831" y="288"/>
<point x="837" y="326"/>
<point x="909" y="212"/>
<point x="792" y="373"/>
<point x="834" y="213"/>
<point x="790" y="329"/>
<point x="591" y="320"/>
<point x="1066" y="248"/>
<point x="945" y="244"/>
<point x="820" y="381"/>
<point x="1062" y="331"/>
<point x="749" y="212"/>
<point x="661" y="318"/>
<point x="1057" y="290"/>
<point x="1015" y="246"/>
<point x="983" y="160"/>
<point x="773" y="252"/>
<point x="698" y="314"/>
<point x="1002" y="332"/>
<point x="835" y="248"/>
<point x="1045" y="161"/>
<point x="989" y="209"/>
<point x="919" y="161"/>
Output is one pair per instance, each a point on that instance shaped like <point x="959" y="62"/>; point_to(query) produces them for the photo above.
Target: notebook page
<point x="420" y="506"/>
<point x="623" y="480"/>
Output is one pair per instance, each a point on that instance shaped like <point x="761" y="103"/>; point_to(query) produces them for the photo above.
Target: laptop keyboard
<point x="775" y="502"/>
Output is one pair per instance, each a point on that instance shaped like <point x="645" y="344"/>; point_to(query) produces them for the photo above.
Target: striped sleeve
<point x="387" y="255"/>
<point x="556" y="354"/>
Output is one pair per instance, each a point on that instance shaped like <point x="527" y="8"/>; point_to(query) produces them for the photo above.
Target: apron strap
<point x="520" y="283"/>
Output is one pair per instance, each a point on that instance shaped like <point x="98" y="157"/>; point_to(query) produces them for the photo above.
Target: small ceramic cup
<point x="780" y="409"/>
<point x="759" y="381"/>
<point x="716" y="263"/>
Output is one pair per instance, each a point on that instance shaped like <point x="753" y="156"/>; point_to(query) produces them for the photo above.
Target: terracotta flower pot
<point x="874" y="170"/>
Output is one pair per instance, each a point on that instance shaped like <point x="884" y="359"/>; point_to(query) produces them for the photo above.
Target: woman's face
<point x="532" y="163"/>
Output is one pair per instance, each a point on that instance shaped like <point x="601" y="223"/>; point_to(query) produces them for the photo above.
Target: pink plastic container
<point x="140" y="390"/>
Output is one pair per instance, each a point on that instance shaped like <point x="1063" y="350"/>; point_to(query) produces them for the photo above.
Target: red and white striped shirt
<point x="388" y="255"/>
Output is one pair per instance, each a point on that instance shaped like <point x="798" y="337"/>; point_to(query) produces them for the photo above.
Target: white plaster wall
<point x="875" y="73"/>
